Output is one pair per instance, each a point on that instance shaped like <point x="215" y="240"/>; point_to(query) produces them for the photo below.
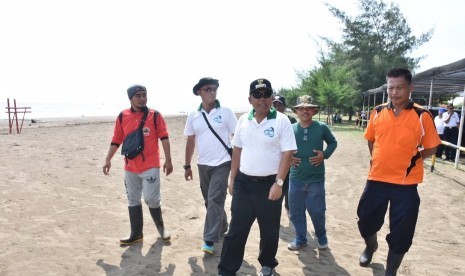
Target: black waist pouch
<point x="133" y="145"/>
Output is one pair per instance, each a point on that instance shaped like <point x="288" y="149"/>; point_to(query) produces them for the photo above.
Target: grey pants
<point x="147" y="183"/>
<point x="214" y="185"/>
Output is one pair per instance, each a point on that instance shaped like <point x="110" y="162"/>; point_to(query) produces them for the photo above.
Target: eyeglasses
<point x="258" y="95"/>
<point x="305" y="135"/>
<point x="210" y="89"/>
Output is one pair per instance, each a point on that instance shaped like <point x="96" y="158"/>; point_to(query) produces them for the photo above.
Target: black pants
<point x="440" y="148"/>
<point x="250" y="201"/>
<point x="451" y="135"/>
<point x="404" y="204"/>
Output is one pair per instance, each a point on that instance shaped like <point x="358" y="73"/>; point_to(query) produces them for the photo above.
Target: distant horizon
<point x="43" y="110"/>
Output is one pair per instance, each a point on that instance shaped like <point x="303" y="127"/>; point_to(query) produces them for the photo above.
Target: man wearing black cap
<point x="214" y="161"/>
<point x="279" y="104"/>
<point x="263" y="146"/>
<point x="142" y="172"/>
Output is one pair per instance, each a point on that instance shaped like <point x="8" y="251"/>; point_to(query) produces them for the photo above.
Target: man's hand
<point x="188" y="174"/>
<point x="275" y="192"/>
<point x="231" y="186"/>
<point x="318" y="159"/>
<point x="295" y="161"/>
<point x="168" y="167"/>
<point x="106" y="167"/>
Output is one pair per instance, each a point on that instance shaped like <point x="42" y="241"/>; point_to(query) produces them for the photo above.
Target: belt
<point x="450" y="127"/>
<point x="258" y="178"/>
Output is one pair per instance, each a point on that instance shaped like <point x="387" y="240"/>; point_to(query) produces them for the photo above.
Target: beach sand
<point x="60" y="215"/>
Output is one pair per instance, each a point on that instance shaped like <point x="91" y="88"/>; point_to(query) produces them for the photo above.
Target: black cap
<point x="260" y="84"/>
<point x="205" y="81"/>
<point x="280" y="99"/>
<point x="134" y="89"/>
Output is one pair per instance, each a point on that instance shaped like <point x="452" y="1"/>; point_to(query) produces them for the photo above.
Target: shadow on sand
<point x="134" y="263"/>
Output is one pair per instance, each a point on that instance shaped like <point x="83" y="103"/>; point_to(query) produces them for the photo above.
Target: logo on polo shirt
<point x="217" y="119"/>
<point x="269" y="132"/>
<point x="146" y="131"/>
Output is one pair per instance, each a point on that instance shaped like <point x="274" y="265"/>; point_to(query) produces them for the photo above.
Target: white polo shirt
<point x="210" y="150"/>
<point x="454" y="120"/>
<point x="262" y="144"/>
<point x="439" y="123"/>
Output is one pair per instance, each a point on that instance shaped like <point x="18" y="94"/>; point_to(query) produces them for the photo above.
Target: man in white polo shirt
<point x="214" y="160"/>
<point x="263" y="146"/>
<point x="439" y="123"/>
<point x="451" y="131"/>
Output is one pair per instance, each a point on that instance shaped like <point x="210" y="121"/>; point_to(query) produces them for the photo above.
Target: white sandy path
<point x="60" y="215"/>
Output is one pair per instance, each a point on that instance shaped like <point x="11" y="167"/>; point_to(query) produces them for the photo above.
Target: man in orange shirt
<point x="142" y="173"/>
<point x="400" y="134"/>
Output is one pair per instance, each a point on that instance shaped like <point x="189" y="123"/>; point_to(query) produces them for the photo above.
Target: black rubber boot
<point x="158" y="219"/>
<point x="137" y="222"/>
<point x="367" y="254"/>
<point x="393" y="263"/>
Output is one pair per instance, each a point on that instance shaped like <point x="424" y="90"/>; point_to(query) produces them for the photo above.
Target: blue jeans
<point x="310" y="197"/>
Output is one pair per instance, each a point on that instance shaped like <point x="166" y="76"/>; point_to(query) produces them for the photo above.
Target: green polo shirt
<point x="309" y="139"/>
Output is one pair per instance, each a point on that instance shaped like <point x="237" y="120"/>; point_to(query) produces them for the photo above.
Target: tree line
<point x="377" y="39"/>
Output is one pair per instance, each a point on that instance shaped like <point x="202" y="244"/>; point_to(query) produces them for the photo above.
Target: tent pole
<point x="431" y="94"/>
<point x="459" y="140"/>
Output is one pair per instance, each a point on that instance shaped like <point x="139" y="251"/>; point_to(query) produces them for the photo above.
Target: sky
<point x="78" y="57"/>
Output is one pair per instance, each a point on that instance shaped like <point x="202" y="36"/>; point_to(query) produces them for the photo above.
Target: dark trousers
<point x="404" y="203"/>
<point x="440" y="148"/>
<point x="250" y="201"/>
<point x="451" y="135"/>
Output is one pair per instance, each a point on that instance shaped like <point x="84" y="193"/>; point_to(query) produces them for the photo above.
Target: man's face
<point x="208" y="93"/>
<point x="305" y="113"/>
<point x="279" y="106"/>
<point x="399" y="91"/>
<point x="450" y="109"/>
<point x="139" y="100"/>
<point x="261" y="100"/>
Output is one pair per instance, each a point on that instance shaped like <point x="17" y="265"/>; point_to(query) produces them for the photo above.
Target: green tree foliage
<point x="374" y="41"/>
<point x="333" y="84"/>
<point x="377" y="39"/>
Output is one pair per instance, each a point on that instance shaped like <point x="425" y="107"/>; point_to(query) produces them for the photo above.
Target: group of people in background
<point x="447" y="125"/>
<point x="266" y="156"/>
<point x="361" y="118"/>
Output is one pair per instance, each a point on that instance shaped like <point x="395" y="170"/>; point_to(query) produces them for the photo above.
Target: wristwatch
<point x="280" y="182"/>
<point x="186" y="167"/>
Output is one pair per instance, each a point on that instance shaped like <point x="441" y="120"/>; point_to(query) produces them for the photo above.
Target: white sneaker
<point x="293" y="246"/>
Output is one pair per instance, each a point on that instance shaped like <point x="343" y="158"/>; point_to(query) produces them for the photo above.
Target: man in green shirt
<point x="307" y="177"/>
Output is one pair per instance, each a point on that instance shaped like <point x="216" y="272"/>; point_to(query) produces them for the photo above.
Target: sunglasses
<point x="210" y="89"/>
<point x="258" y="95"/>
